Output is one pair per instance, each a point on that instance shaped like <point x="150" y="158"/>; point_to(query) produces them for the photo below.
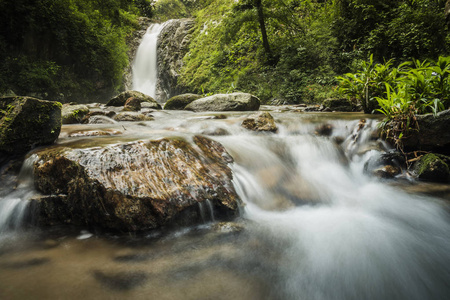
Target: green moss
<point x="432" y="168"/>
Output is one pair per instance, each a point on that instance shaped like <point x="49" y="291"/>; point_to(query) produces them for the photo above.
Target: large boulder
<point x="135" y="186"/>
<point x="225" y="102"/>
<point x="173" y="44"/>
<point x="122" y="98"/>
<point x="262" y="122"/>
<point x="433" y="134"/>
<point x="72" y="114"/>
<point x="179" y="102"/>
<point x="26" y="123"/>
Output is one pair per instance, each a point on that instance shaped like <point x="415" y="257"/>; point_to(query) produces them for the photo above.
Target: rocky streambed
<point x="275" y="204"/>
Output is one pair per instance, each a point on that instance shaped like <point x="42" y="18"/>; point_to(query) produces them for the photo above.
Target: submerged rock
<point x="179" y="102"/>
<point x="135" y="186"/>
<point x="72" y="114"/>
<point x="431" y="167"/>
<point x="260" y="122"/>
<point x="225" y="102"/>
<point x="121" y="99"/>
<point x="26" y="123"/>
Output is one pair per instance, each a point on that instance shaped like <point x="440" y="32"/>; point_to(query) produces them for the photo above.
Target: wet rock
<point x="82" y="133"/>
<point x="324" y="129"/>
<point x="313" y="108"/>
<point x="225" y="102"/>
<point x="122" y="281"/>
<point x="433" y="134"/>
<point x="430" y="167"/>
<point x="341" y="104"/>
<point x="215" y="131"/>
<point x="228" y="227"/>
<point x="92" y="113"/>
<point x="132" y="104"/>
<point x="387" y="171"/>
<point x="179" y="102"/>
<point x="26" y="123"/>
<point x="135" y="186"/>
<point x="386" y="165"/>
<point x="120" y="99"/>
<point x="99" y="119"/>
<point x="131" y="117"/>
<point x="260" y="122"/>
<point x="173" y="45"/>
<point x="73" y="114"/>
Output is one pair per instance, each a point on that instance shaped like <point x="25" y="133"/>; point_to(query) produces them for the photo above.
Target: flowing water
<point x="145" y="71"/>
<point x="314" y="225"/>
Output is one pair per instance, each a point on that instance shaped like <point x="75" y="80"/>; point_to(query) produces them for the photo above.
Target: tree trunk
<point x="262" y="26"/>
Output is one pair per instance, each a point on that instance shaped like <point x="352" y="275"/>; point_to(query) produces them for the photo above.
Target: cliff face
<point x="173" y="44"/>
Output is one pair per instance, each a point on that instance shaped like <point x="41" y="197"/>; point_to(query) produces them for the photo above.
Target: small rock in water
<point x="324" y="130"/>
<point x="84" y="235"/>
<point x="387" y="171"/>
<point x="260" y="122"/>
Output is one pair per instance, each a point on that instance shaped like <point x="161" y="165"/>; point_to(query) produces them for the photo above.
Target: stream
<point x="314" y="225"/>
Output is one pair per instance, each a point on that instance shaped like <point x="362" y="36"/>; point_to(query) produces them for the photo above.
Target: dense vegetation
<point x="293" y="49"/>
<point x="65" y="49"/>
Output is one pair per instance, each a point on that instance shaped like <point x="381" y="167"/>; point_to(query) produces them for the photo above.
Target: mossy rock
<point x="122" y="98"/>
<point x="340" y="104"/>
<point x="225" y="102"/>
<point x="179" y="102"/>
<point x="432" y="168"/>
<point x="27" y="123"/>
<point x="262" y="122"/>
<point x="73" y="114"/>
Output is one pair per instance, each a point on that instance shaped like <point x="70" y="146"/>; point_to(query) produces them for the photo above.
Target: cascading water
<point x="145" y="67"/>
<point x="315" y="226"/>
<point x="14" y="206"/>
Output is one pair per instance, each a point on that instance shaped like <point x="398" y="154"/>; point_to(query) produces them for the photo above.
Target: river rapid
<point x="314" y="225"/>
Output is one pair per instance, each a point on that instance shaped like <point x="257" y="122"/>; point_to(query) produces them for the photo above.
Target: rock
<point x="92" y="113"/>
<point x="135" y="186"/>
<point x="26" y="123"/>
<point x="432" y="168"/>
<point x="120" y="99"/>
<point x="99" y="119"/>
<point x="132" y="104"/>
<point x="73" y="114"/>
<point x="216" y="131"/>
<point x="324" y="129"/>
<point x="260" y="122"/>
<point x="225" y="102"/>
<point x="131" y="117"/>
<point x="433" y="134"/>
<point x="386" y="165"/>
<point x="387" y="171"/>
<point x="173" y="45"/>
<point x="179" y="102"/>
<point x="341" y="104"/>
<point x="313" y="108"/>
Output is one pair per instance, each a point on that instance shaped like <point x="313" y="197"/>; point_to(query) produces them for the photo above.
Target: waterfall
<point x="13" y="207"/>
<point x="145" y="66"/>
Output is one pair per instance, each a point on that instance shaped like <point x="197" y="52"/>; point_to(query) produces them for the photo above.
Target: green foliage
<point x="65" y="49"/>
<point x="414" y="87"/>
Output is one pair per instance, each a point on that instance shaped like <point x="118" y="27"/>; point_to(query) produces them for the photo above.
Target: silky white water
<point x="145" y="66"/>
<point x="315" y="226"/>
